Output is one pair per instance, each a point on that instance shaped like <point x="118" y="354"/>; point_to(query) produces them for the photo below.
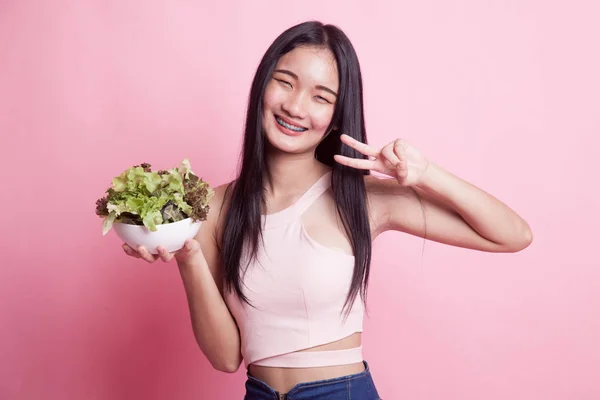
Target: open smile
<point x="288" y="125"/>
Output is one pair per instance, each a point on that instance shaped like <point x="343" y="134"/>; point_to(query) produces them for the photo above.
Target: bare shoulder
<point x="379" y="191"/>
<point x="209" y="235"/>
<point x="218" y="206"/>
<point x="384" y="195"/>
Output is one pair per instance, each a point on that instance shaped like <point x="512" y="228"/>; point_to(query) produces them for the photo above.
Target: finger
<point x="362" y="147"/>
<point x="129" y="251"/>
<point x="400" y="149"/>
<point x="145" y="254"/>
<point x="357" y="163"/>
<point x="190" y="247"/>
<point x="390" y="156"/>
<point x="164" y="254"/>
<point x="402" y="166"/>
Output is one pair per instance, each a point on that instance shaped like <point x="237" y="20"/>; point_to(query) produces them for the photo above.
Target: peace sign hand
<point x="398" y="159"/>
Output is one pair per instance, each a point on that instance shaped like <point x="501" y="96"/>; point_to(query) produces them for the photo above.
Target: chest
<point x="293" y="271"/>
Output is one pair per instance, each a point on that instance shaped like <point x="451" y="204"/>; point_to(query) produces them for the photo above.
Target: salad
<point x="140" y="196"/>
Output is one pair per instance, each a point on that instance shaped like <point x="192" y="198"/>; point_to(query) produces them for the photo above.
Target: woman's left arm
<point x="456" y="212"/>
<point x="485" y="214"/>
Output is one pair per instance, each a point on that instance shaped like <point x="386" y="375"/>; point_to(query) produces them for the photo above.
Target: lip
<point x="285" y="130"/>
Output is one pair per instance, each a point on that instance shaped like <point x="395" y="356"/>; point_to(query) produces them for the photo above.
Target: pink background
<point x="504" y="94"/>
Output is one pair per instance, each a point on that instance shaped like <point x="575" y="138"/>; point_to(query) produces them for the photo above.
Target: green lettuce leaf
<point x="108" y="222"/>
<point x="140" y="196"/>
<point x="172" y="213"/>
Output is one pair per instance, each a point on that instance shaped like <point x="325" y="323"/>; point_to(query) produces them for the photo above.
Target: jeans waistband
<point x="359" y="379"/>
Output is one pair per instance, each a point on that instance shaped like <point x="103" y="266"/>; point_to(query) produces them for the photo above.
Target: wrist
<point x="189" y="267"/>
<point x="430" y="177"/>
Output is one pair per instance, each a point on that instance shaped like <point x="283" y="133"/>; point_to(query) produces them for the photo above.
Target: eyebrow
<point x="293" y="75"/>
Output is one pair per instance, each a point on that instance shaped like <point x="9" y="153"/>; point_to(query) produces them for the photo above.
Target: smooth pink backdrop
<point x="503" y="94"/>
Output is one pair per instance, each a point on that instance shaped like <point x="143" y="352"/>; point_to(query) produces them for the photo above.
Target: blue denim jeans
<point x="356" y="387"/>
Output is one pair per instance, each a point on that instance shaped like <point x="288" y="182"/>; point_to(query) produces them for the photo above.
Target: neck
<point x="291" y="174"/>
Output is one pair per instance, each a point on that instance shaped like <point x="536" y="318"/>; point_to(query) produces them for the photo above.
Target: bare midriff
<point x="284" y="379"/>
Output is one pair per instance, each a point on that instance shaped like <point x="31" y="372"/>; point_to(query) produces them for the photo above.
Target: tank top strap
<point x="299" y="206"/>
<point x="312" y="194"/>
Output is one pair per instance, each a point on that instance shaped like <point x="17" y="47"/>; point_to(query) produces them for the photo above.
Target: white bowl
<point x="171" y="236"/>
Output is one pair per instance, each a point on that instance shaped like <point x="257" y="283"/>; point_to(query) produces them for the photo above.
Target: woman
<point x="277" y="275"/>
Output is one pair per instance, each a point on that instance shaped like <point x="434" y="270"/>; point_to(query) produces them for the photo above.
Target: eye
<point x="284" y="83"/>
<point x="322" y="99"/>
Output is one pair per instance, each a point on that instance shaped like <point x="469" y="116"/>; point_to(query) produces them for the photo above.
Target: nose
<point x="294" y="105"/>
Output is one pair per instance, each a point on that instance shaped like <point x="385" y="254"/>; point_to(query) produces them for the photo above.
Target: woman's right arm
<point x="214" y="327"/>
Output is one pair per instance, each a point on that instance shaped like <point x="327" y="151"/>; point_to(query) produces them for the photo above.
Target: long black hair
<point x="243" y="220"/>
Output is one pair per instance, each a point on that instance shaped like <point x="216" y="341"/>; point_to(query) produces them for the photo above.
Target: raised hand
<point x="397" y="159"/>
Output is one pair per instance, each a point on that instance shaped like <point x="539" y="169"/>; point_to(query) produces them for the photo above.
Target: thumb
<point x="189" y="249"/>
<point x="191" y="245"/>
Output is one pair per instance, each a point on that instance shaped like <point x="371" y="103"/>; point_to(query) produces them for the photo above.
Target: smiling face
<point x="299" y="99"/>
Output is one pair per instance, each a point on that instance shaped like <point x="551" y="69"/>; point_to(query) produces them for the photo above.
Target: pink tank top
<point x="298" y="288"/>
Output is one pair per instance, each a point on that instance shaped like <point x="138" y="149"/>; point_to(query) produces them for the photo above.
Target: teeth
<point x="292" y="127"/>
